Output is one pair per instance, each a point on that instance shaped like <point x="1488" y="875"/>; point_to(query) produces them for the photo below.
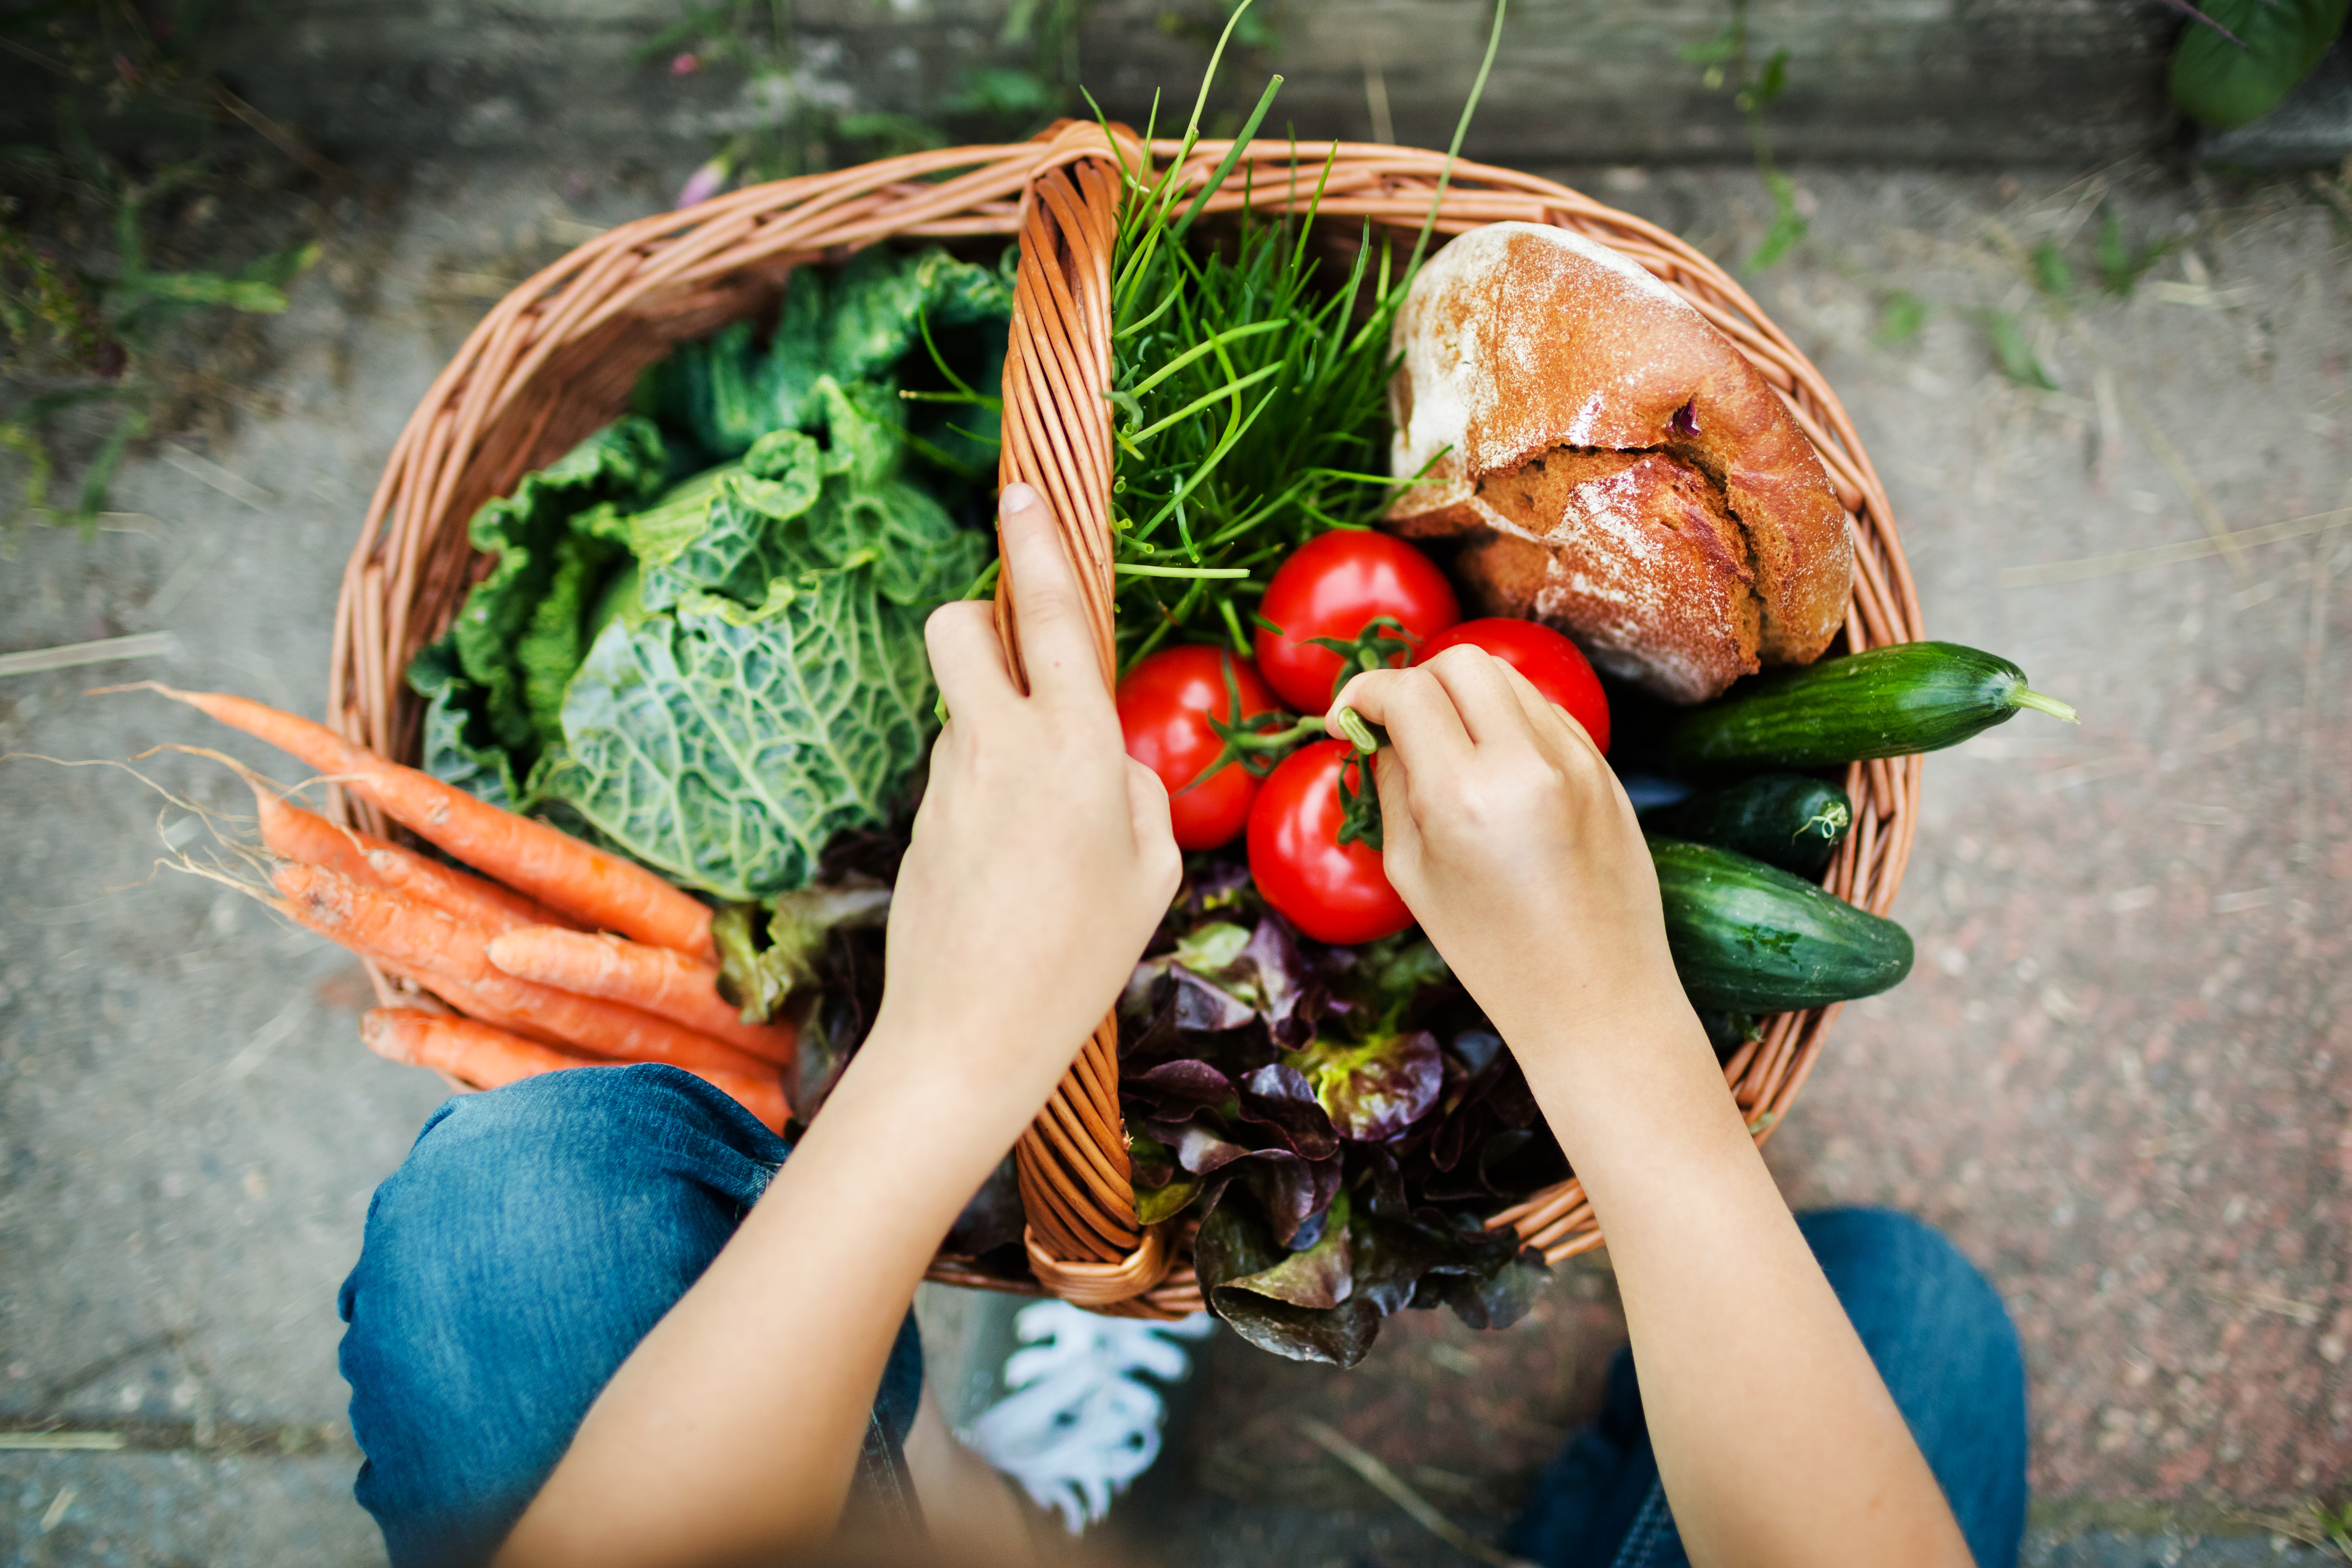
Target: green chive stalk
<point x="1250" y="386"/>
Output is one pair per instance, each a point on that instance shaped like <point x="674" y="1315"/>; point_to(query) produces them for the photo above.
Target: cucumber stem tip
<point x="2026" y="697"/>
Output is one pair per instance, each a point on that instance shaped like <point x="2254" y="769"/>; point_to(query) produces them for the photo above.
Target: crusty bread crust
<point x="1561" y="398"/>
<point x="1649" y="568"/>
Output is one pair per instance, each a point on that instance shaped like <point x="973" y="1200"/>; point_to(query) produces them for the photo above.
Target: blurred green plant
<point x="2238" y="58"/>
<point x="102" y="341"/>
<point x="1250" y="29"/>
<point x="2334" y="1526"/>
<point x="2122" y="264"/>
<point x="789" y="115"/>
<point x="1900" y="318"/>
<point x="2118" y="263"/>
<point x="2052" y="273"/>
<point x="1037" y="80"/>
<point x="792" y="116"/>
<point x="2314" y="1523"/>
<point x="1729" y="59"/>
<point x="2014" y="353"/>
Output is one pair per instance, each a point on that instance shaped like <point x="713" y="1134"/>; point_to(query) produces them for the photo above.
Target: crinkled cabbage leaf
<point x="518" y="637"/>
<point x="718" y="673"/>
<point x="725" y="749"/>
<point x="726" y="392"/>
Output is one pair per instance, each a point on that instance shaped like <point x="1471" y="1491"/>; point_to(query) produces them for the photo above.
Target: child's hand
<point x="1512" y="843"/>
<point x="1041" y="856"/>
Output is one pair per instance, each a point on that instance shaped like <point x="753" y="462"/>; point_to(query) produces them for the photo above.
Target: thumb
<point x="1155" y="834"/>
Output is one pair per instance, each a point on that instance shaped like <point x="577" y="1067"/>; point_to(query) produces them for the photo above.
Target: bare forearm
<point x="1039" y="862"/>
<point x="735" y="1425"/>
<point x="1777" y="1440"/>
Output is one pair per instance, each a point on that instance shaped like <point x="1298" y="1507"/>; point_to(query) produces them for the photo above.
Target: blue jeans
<point x="533" y="1235"/>
<point x="1941" y="1339"/>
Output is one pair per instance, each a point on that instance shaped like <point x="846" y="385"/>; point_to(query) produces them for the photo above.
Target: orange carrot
<point x="482" y="1055"/>
<point x="461" y="893"/>
<point x="763" y="1097"/>
<point x="292" y="833"/>
<point x="491" y="1058"/>
<point x="459" y="994"/>
<point x="610" y="1029"/>
<point x="451" y="956"/>
<point x="666" y="984"/>
<point x="600" y="890"/>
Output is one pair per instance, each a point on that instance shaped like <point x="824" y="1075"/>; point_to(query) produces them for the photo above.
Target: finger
<point x="1480" y="685"/>
<point x="967" y="658"/>
<point x="1400" y="832"/>
<point x="1543" y="712"/>
<point x="1418" y="714"/>
<point x="1057" y="645"/>
<point x="1155" y="832"/>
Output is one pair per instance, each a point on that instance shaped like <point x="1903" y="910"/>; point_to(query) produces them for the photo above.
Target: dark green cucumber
<point x="1727" y="1032"/>
<point x="1888" y="703"/>
<point x="1750" y="938"/>
<point x="1783" y="819"/>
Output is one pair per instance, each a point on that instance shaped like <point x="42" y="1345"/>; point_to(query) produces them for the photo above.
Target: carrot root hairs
<point x="441" y="950"/>
<point x="598" y="890"/>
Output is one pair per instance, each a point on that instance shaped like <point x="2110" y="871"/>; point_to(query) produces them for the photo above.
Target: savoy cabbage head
<point x="718" y="671"/>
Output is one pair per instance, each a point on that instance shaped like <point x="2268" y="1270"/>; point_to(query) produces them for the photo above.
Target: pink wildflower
<point x="704" y="182"/>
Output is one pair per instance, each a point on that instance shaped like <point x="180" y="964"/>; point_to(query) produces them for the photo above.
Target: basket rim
<point x="513" y="390"/>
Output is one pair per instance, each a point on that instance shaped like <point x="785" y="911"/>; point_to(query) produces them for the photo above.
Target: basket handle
<point x="1082" y="1239"/>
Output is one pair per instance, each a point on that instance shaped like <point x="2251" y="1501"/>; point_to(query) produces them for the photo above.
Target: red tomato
<point x="1334" y="585"/>
<point x="1553" y="666"/>
<point x="1332" y="891"/>
<point x="1164" y="707"/>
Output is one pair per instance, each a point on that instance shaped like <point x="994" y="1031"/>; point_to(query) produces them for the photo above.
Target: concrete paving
<point x="2119" y="1079"/>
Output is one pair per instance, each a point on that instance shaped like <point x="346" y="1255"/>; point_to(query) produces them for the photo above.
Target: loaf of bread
<point x="1610" y="464"/>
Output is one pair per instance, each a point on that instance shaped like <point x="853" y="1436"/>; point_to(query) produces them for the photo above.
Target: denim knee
<point x="1945" y="1347"/>
<point x="534" y="1235"/>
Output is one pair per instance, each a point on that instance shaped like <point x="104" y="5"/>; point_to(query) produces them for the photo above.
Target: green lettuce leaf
<point x="793" y="505"/>
<point x="557" y="637"/>
<point x="1317" y="1276"/>
<point x="726" y="531"/>
<point x="453" y="751"/>
<point x="725" y="747"/>
<point x="1375" y="1089"/>
<point x="1233" y="1246"/>
<point x="728" y="391"/>
<point x="717" y="676"/>
<point x="1153" y="1204"/>
<point x="760" y="967"/>
<point x="623" y="464"/>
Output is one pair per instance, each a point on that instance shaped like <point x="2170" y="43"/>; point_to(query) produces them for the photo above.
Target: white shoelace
<point x="1080" y="1425"/>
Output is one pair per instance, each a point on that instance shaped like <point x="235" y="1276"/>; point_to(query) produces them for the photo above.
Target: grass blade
<point x="1232" y="155"/>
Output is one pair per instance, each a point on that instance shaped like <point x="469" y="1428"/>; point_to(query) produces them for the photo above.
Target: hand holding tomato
<point x="1332" y="891"/>
<point x="1554" y="666"/>
<point x="1510" y="840"/>
<point x="1335" y="586"/>
<point x="1165" y="705"/>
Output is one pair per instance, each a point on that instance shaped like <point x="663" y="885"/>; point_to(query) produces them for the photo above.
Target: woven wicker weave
<point x="556" y="360"/>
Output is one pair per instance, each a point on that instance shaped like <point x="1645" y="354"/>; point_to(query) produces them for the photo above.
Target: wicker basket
<point x="556" y="360"/>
